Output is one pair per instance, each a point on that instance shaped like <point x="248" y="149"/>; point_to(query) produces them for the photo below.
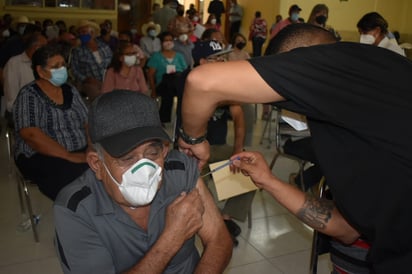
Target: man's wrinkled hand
<point x="184" y="216"/>
<point x="253" y="164"/>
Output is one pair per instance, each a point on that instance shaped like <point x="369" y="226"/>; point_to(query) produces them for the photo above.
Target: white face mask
<point x="183" y="37"/>
<point x="6" y="33"/>
<point x="367" y="39"/>
<point x="140" y="182"/>
<point x="130" y="60"/>
<point x="213" y="21"/>
<point x="195" y="19"/>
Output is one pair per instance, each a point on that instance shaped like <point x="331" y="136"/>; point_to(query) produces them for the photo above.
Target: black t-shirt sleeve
<point x="354" y="86"/>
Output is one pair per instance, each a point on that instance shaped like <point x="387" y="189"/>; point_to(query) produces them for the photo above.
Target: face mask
<point x="183" y="37"/>
<point x="168" y="45"/>
<point x="195" y="19"/>
<point x="130" y="60"/>
<point x="133" y="31"/>
<point x="294" y="17"/>
<point x="21" y="29"/>
<point x="367" y="39"/>
<point x="85" y="38"/>
<point x="140" y="182"/>
<point x="152" y="33"/>
<point x="321" y="19"/>
<point x="103" y="32"/>
<point x="213" y="21"/>
<point x="59" y="76"/>
<point x="6" y="33"/>
<point x="240" y="45"/>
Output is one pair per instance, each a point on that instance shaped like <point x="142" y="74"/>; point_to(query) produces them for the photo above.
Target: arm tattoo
<point x="316" y="212"/>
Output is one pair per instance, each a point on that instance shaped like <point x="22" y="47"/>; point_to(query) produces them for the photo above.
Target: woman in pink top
<point x="123" y="72"/>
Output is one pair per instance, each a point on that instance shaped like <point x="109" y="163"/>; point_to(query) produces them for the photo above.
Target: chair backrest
<point x="284" y="131"/>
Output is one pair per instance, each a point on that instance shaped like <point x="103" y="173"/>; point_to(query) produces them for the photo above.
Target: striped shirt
<point x="85" y="65"/>
<point x="63" y="123"/>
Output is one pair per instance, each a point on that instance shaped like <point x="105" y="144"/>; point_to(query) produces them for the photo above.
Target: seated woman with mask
<point x="50" y="118"/>
<point x="124" y="72"/>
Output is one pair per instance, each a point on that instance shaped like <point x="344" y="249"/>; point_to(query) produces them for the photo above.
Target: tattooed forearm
<point x="316" y="212"/>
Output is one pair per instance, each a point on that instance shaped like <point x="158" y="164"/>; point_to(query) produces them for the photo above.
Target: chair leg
<point x="249" y="218"/>
<point x="301" y="169"/>
<point x="30" y="210"/>
<point x="313" y="264"/>
<point x="265" y="128"/>
<point x="20" y="193"/>
<point x="272" y="163"/>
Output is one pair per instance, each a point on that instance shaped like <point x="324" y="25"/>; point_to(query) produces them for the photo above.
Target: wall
<point x="70" y="15"/>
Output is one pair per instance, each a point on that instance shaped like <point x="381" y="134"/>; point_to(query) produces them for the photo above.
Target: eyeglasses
<point x="153" y="151"/>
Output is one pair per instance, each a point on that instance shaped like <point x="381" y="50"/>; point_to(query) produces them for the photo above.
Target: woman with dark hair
<point x="50" y="119"/>
<point x="373" y="29"/>
<point x="124" y="72"/>
<point x="164" y="67"/>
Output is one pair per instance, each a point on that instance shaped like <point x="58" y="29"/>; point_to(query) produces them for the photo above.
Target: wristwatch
<point x="191" y="140"/>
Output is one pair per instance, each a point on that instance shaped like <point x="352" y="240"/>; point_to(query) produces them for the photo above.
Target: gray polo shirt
<point x="94" y="235"/>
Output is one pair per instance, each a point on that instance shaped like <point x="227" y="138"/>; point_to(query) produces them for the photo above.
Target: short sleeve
<point x="27" y="110"/>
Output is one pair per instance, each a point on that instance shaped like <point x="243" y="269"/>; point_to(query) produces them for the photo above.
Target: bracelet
<point x="191" y="140"/>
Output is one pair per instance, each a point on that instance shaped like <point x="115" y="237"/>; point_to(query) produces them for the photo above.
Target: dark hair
<point x="298" y="35"/>
<point x="372" y="20"/>
<point x="258" y="14"/>
<point x="233" y="39"/>
<point x="207" y="34"/>
<point x="47" y="22"/>
<point x="128" y="33"/>
<point x="32" y="40"/>
<point x="116" y="64"/>
<point x="163" y="35"/>
<point x="42" y="55"/>
<point x="30" y="29"/>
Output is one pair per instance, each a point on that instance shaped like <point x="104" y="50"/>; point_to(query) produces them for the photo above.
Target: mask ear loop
<point x="100" y="155"/>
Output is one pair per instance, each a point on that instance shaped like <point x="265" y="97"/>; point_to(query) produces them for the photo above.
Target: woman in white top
<point x="373" y="29"/>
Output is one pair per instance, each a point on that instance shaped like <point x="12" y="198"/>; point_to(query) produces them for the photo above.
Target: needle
<point x="221" y="166"/>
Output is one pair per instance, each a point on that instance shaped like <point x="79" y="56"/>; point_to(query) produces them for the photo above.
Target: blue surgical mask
<point x="294" y="17"/>
<point x="59" y="76"/>
<point x="85" y="38"/>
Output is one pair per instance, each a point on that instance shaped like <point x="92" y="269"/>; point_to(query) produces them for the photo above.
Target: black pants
<point x="302" y="149"/>
<point x="167" y="90"/>
<point x="50" y="174"/>
<point x="257" y="44"/>
<point x="234" y="28"/>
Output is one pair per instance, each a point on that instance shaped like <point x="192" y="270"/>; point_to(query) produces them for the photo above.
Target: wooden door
<point x="135" y="16"/>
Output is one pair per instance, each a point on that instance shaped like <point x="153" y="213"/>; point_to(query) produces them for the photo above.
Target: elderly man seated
<point x="139" y="207"/>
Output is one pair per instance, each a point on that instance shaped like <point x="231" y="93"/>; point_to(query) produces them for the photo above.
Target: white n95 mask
<point x="367" y="39"/>
<point x="140" y="182"/>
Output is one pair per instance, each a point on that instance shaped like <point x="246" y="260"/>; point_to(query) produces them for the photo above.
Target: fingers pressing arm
<point x="183" y="220"/>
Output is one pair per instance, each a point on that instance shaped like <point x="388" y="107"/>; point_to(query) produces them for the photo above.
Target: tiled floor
<point x="276" y="243"/>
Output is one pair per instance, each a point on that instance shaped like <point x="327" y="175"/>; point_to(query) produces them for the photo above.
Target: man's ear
<point x="166" y="146"/>
<point x="95" y="163"/>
